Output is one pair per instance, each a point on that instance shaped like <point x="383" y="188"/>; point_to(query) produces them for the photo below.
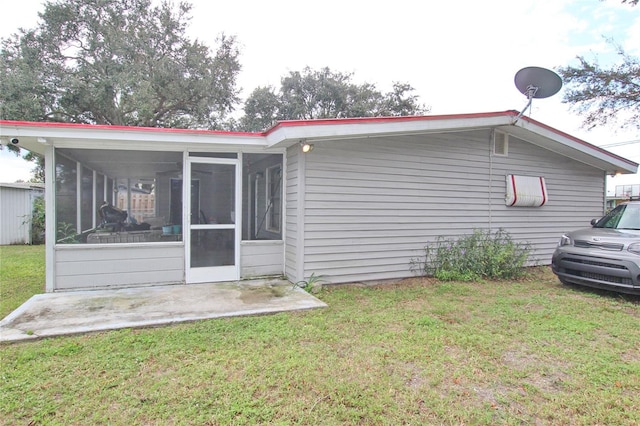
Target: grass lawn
<point x="417" y="352"/>
<point x="21" y="275"/>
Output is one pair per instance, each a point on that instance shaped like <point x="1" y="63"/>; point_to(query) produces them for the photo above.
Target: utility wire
<point x="609" y="145"/>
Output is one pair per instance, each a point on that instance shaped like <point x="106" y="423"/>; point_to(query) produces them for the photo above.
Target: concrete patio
<point x="56" y="314"/>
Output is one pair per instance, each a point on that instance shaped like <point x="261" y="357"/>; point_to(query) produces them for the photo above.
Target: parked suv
<point x="605" y="256"/>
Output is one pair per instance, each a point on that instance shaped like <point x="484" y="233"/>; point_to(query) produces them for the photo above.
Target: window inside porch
<point x="262" y="197"/>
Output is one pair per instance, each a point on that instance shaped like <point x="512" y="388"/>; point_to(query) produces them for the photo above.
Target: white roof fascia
<point x="288" y="135"/>
<point x="33" y="137"/>
<point x="26" y="186"/>
<point x="540" y="135"/>
<point x="570" y="147"/>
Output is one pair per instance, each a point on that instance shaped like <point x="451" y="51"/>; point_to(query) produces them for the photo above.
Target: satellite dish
<point x="536" y="83"/>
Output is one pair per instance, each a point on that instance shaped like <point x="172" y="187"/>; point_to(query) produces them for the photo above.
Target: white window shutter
<point x="526" y="191"/>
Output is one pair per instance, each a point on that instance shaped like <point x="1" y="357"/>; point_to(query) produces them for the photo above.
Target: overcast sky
<point x="460" y="56"/>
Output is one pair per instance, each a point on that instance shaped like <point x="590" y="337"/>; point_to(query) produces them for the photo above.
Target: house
<point x="623" y="193"/>
<point x="16" y="210"/>
<point x="349" y="199"/>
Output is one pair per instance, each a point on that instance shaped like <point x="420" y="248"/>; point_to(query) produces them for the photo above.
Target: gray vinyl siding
<point x="261" y="258"/>
<point x="86" y="267"/>
<point x="291" y="211"/>
<point x="576" y="195"/>
<point x="372" y="204"/>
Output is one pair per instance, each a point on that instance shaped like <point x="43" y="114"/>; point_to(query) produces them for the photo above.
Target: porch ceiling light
<point x="306" y="146"/>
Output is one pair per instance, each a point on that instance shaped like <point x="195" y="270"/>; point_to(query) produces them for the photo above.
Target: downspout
<point x="491" y="149"/>
<point x="300" y="208"/>
<point x="283" y="209"/>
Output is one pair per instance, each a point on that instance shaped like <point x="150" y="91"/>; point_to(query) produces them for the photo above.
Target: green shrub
<point x="471" y="257"/>
<point x="37" y="221"/>
<point x="67" y="233"/>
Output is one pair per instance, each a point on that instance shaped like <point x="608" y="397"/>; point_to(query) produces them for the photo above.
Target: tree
<point x="261" y="109"/>
<point x="325" y="94"/>
<point x="118" y="63"/>
<point x="605" y="95"/>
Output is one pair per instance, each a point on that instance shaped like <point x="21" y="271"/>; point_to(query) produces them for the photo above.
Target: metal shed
<point x="16" y="206"/>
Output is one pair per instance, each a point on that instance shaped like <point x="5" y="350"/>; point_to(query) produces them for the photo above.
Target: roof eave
<point x="35" y="136"/>
<point x="287" y="133"/>
<point x="564" y="144"/>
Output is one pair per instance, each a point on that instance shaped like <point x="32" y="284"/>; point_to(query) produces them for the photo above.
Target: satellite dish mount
<point x="538" y="83"/>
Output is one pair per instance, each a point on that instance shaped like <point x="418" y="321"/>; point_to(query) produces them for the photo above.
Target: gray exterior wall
<point x="89" y="266"/>
<point x="261" y="258"/>
<point x="370" y="205"/>
<point x="118" y="265"/>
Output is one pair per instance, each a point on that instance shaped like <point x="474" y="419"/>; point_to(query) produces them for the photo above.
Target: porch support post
<point x="94" y="192"/>
<point x="50" y="216"/>
<point x="78" y="197"/>
<point x="129" y="212"/>
<point x="105" y="188"/>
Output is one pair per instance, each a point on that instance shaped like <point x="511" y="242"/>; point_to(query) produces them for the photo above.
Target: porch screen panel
<point x="262" y="186"/>
<point x="66" y="196"/>
<point x="86" y="199"/>
<point x="129" y="201"/>
<point x="212" y="247"/>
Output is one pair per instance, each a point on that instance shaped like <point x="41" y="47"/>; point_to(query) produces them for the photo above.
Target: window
<point x="262" y="197"/>
<point x="500" y="144"/>
<point x="274" y="201"/>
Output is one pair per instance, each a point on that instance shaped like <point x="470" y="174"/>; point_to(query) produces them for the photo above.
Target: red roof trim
<point x="57" y="125"/>
<point x="316" y="122"/>
<point x="284" y="123"/>
<point x="369" y="120"/>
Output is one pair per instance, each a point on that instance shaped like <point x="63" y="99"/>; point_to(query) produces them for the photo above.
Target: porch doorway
<point x="212" y="235"/>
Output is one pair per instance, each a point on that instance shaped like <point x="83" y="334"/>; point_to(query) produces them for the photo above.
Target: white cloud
<point x="460" y="56"/>
<point x="14" y="167"/>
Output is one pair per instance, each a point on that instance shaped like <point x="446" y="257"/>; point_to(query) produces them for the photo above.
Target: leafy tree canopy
<point x="117" y="62"/>
<point x="325" y="94"/>
<point x="604" y="95"/>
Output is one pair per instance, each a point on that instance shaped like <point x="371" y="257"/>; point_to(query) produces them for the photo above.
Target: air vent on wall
<point x="500" y="144"/>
